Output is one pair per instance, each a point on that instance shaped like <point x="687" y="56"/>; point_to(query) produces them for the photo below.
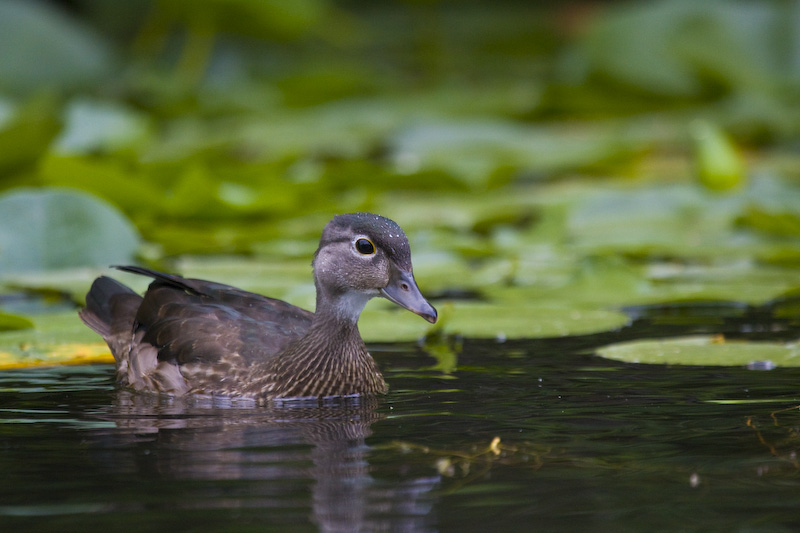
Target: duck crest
<point x="190" y="336"/>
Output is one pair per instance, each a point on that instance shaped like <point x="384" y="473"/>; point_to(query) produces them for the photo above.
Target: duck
<point x="190" y="337"/>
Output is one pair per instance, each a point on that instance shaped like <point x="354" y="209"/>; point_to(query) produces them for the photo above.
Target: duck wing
<point x="189" y="334"/>
<point x="193" y="320"/>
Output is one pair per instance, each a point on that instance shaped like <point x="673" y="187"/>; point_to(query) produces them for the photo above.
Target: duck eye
<point x="364" y="247"/>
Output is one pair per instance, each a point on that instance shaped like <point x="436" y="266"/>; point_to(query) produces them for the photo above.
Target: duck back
<point x="188" y="330"/>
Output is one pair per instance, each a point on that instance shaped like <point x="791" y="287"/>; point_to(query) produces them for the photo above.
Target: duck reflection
<point x="277" y="454"/>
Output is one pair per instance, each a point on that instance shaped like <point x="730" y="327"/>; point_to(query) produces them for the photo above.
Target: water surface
<point x="523" y="436"/>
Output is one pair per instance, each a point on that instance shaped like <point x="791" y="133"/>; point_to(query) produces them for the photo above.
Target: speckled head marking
<point x="384" y="232"/>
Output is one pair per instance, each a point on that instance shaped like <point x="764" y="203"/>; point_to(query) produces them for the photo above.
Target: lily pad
<point x="56" y="339"/>
<point x="9" y="322"/>
<point x="68" y="285"/>
<point x="682" y="220"/>
<point x="93" y="126"/>
<point x="511" y="321"/>
<point x="44" y="48"/>
<point x="27" y="132"/>
<point x="43" y="229"/>
<point x="475" y="150"/>
<point x="704" y="350"/>
<point x="665" y="48"/>
<point x="491" y="321"/>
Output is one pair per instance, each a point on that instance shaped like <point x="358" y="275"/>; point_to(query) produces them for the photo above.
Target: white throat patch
<point x="351" y="304"/>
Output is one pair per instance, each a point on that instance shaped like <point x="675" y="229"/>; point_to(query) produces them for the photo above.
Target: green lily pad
<point x="71" y="282"/>
<point x="490" y="321"/>
<point x="477" y="320"/>
<point x="93" y="126"/>
<point x="44" y="48"/>
<point x="476" y="150"/>
<point x="26" y="132"/>
<point x="663" y="49"/>
<point x="673" y="219"/>
<point x="703" y="350"/>
<point x="56" y="339"/>
<point x="9" y="322"/>
<point x="742" y="282"/>
<point x="51" y="228"/>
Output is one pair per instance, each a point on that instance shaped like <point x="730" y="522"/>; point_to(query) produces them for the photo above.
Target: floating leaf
<point x="704" y="350"/>
<point x="59" y="228"/>
<point x="483" y="320"/>
<point x="475" y="151"/>
<point x="683" y="221"/>
<point x="63" y="286"/>
<point x="677" y="219"/>
<point x="56" y="339"/>
<point x="673" y="49"/>
<point x="11" y="322"/>
<point x="111" y="179"/>
<point x="781" y="224"/>
<point x="513" y="321"/>
<point x="27" y="133"/>
<point x="92" y="126"/>
<point x="42" y="47"/>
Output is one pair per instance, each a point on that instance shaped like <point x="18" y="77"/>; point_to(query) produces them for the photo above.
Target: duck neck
<point x="340" y="308"/>
<point x="331" y="359"/>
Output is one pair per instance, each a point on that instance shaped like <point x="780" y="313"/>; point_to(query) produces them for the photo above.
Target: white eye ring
<point x="364" y="246"/>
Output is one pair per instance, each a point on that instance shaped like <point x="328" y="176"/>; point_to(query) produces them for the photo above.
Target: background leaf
<point x="60" y="228"/>
<point x="42" y="47"/>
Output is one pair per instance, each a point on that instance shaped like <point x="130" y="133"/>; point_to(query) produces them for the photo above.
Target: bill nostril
<point x="404" y="286"/>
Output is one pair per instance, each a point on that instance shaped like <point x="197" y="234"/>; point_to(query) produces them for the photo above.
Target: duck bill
<point x="403" y="291"/>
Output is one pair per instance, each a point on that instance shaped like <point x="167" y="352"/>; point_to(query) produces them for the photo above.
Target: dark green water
<point x="585" y="445"/>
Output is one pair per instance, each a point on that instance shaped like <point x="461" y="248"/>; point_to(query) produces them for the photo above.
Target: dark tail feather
<point x="194" y="286"/>
<point x="109" y="303"/>
<point x="142" y="271"/>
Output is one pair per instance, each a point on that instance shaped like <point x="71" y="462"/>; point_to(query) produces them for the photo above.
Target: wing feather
<point x="191" y="320"/>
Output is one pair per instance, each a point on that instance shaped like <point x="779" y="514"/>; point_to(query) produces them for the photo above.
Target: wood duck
<point x="190" y="336"/>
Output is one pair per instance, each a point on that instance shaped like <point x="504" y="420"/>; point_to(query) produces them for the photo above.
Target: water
<point x="524" y="436"/>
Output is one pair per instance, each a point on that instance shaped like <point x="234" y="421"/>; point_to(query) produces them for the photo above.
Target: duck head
<point x="361" y="256"/>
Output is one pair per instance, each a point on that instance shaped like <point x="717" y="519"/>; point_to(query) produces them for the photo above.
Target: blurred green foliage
<point x="568" y="157"/>
<point x="61" y="228"/>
